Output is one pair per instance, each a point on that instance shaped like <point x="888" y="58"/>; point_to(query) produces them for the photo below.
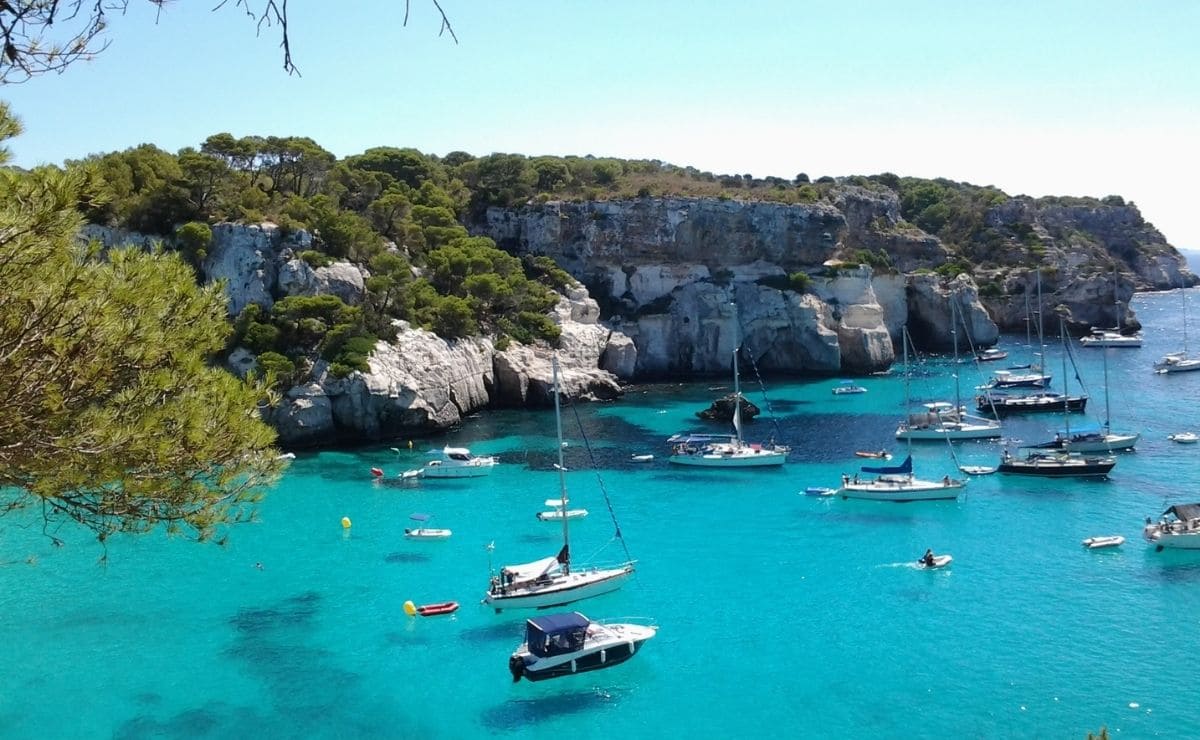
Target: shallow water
<point x="778" y="612"/>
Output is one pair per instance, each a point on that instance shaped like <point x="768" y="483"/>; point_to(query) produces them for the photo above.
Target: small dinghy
<point x="819" y="491"/>
<point x="1112" y="540"/>
<point x="643" y="458"/>
<point x="377" y="472"/>
<point x="939" y="561"/>
<point x="880" y="455"/>
<point x="425" y="533"/>
<point x="430" y="610"/>
<point x="977" y="469"/>
<point x="1184" y="438"/>
<point x="560" y="512"/>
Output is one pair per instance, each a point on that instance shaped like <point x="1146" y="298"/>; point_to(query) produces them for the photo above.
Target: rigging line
<point x="766" y="401"/>
<point x="603" y="489"/>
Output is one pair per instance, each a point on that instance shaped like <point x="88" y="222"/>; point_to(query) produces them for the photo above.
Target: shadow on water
<point x="294" y="611"/>
<point x="406" y="639"/>
<point x="520" y="714"/>
<point x="509" y="632"/>
<point x="538" y="539"/>
<point x="1172" y="569"/>
<point x="406" y="557"/>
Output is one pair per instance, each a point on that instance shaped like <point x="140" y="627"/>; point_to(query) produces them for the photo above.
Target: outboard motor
<point x="516" y="667"/>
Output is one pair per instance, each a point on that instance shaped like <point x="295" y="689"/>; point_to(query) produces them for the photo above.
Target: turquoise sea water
<point x="779" y="614"/>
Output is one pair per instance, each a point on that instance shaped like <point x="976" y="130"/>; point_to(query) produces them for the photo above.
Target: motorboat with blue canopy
<point x="563" y="644"/>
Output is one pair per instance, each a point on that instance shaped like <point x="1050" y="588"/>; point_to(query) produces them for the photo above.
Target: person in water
<point x="927" y="558"/>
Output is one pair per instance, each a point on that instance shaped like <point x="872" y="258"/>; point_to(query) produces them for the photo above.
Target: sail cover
<point x="531" y="571"/>
<point x="1184" y="512"/>
<point x="903" y="468"/>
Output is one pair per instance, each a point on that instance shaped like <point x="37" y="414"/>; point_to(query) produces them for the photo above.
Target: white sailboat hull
<point x="949" y="430"/>
<point x="1164" y="537"/>
<point x="1107" y="443"/>
<point x="746" y="458"/>
<point x="901" y="489"/>
<point x="560" y="589"/>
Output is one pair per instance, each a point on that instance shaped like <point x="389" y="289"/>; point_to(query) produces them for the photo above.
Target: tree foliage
<point x="113" y="418"/>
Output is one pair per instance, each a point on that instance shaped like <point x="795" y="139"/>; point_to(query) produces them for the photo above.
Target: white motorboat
<point x="992" y="354"/>
<point x="820" y="491"/>
<point x="1112" y="540"/>
<point x="937" y="561"/>
<point x="558" y="645"/>
<point x="553" y="581"/>
<point x="847" y="387"/>
<point x="643" y="458"/>
<point x="425" y="533"/>
<point x="458" y="462"/>
<point x="1184" y="438"/>
<point x="1178" y="528"/>
<point x="1108" y="338"/>
<point x="977" y="469"/>
<point x="728" y="450"/>
<point x="558" y="512"/>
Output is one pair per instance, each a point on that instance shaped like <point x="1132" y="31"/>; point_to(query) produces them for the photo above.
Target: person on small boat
<point x="927" y="558"/>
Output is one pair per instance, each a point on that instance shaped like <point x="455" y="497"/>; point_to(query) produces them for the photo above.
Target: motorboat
<point x="729" y="450"/>
<point x="847" y="387"/>
<point x="1004" y="404"/>
<point x="458" y="462"/>
<point x="1109" y="338"/>
<point x="1184" y="438"/>
<point x="1057" y="464"/>
<point x="978" y="469"/>
<point x="558" y="511"/>
<point x="819" y="491"/>
<point x="1178" y="528"/>
<point x="880" y="455"/>
<point x="558" y="645"/>
<point x="430" y="610"/>
<point x="425" y="533"/>
<point x="553" y="581"/>
<point x="991" y="354"/>
<point x="1112" y="540"/>
<point x="937" y="561"/>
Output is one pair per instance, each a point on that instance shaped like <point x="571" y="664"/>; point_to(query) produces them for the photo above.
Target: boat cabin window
<point x="555" y="635"/>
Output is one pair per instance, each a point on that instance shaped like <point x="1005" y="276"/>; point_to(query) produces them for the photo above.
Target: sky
<point x="1038" y="98"/>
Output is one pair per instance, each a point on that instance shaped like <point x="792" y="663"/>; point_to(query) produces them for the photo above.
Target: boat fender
<point x="573" y="666"/>
<point x="516" y="667"/>
<point x="377" y="472"/>
<point x="632" y="647"/>
<point x="345" y="522"/>
<point x="410" y="608"/>
<point x="603" y="657"/>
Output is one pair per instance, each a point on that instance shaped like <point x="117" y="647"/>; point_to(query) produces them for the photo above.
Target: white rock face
<point x="891" y="293"/>
<point x="341" y="279"/>
<point x="244" y="257"/>
<point x="652" y="282"/>
<point x="304" y="416"/>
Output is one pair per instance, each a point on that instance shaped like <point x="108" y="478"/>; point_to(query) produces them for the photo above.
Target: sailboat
<point x="1058" y="464"/>
<point x="1179" y="362"/>
<point x="1035" y="377"/>
<point x="897" y="482"/>
<point x="1096" y="439"/>
<point x="1113" y="337"/>
<point x="552" y="581"/>
<point x="1002" y="404"/>
<point x="941" y="420"/>
<point x="726" y="450"/>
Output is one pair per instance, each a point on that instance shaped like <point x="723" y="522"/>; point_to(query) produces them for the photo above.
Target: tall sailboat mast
<point x="905" y="337"/>
<point x="1041" y="327"/>
<point x="562" y="471"/>
<point x="1062" y="332"/>
<point x="954" y="335"/>
<point x="737" y="388"/>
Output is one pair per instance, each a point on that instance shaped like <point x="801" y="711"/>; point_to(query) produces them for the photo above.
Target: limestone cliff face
<point x="667" y="268"/>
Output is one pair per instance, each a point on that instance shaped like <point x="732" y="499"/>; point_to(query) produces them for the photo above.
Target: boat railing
<point x="641" y="621"/>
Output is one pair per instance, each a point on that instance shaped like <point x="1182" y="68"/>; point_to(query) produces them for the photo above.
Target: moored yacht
<point x="559" y="645"/>
<point x="458" y="462"/>
<point x="897" y="483"/>
<point x="941" y="420"/>
<point x="1178" y="528"/>
<point x="1176" y="362"/>
<point x="1109" y="338"/>
<point x="1005" y="404"/>
<point x="1057" y="465"/>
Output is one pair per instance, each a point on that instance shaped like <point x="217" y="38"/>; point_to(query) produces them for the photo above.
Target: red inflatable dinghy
<point x="433" y="610"/>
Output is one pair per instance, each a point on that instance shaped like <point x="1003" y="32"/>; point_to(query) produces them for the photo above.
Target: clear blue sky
<point x="1067" y="98"/>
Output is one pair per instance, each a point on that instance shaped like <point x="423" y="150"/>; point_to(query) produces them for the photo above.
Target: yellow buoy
<point x="410" y="609"/>
<point x="345" y="522"/>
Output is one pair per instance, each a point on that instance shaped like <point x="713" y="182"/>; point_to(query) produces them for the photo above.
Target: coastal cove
<point x="776" y="610"/>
